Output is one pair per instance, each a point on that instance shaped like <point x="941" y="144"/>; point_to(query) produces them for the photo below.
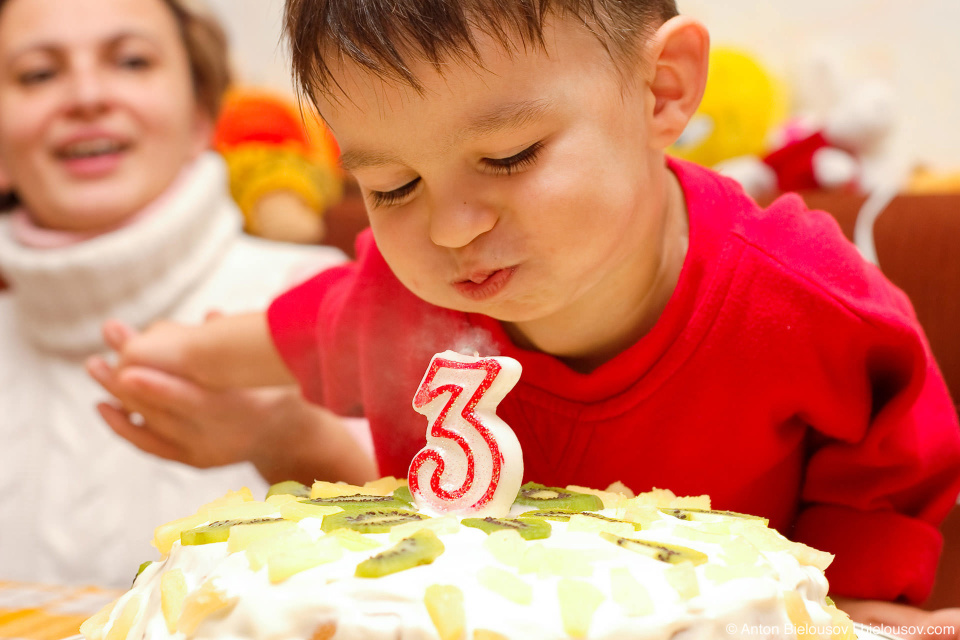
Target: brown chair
<point x="917" y="239"/>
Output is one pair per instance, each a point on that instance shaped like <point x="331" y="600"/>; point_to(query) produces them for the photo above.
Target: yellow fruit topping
<point x="352" y="540"/>
<point x="93" y="627"/>
<point x="384" y="486"/>
<point x="445" y="605"/>
<point x="632" y="596"/>
<point x="322" y="489"/>
<point x="121" y="625"/>
<point x="259" y="551"/>
<point x="173" y="591"/>
<point x="690" y="502"/>
<point x="642" y="514"/>
<point x="241" y="536"/>
<point x="229" y="498"/>
<point x="506" y="584"/>
<point x="299" y="510"/>
<point x="611" y="499"/>
<point x="486" y="634"/>
<point x="205" y="601"/>
<point x="507" y="546"/>
<point x="578" y="602"/>
<point x="683" y="578"/>
<point x="654" y="498"/>
<point x="292" y="560"/>
<point x="799" y="616"/>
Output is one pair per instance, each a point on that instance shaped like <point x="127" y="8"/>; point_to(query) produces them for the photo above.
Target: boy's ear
<point x="677" y="75"/>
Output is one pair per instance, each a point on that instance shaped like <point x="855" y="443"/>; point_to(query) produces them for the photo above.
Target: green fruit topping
<point x="370" y="520"/>
<point x="216" y="531"/>
<point x="290" y="488"/>
<point x="670" y="553"/>
<point x="403" y="494"/>
<point x="360" y="501"/>
<point x="563" y="515"/>
<point x="423" y="547"/>
<point x="143" y="566"/>
<point x="541" y="497"/>
<point x="698" y="514"/>
<point x="528" y="528"/>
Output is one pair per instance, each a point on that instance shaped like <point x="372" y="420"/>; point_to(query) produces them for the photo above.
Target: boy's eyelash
<point x="504" y="166"/>
<point x="515" y="162"/>
<point x="387" y="198"/>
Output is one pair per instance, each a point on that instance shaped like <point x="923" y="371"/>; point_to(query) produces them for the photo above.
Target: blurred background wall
<point x="911" y="44"/>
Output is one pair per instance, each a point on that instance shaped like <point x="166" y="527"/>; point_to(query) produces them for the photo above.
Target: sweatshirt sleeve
<point x="877" y="487"/>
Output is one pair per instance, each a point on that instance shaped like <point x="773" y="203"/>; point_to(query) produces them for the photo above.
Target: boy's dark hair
<point x="385" y="35"/>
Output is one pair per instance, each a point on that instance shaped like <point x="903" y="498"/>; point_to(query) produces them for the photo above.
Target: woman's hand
<point x="176" y="418"/>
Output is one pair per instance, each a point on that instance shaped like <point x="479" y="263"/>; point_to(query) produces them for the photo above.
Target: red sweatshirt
<point x="786" y="378"/>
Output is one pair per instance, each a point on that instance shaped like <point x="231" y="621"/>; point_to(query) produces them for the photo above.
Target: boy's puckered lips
<point x="484" y="284"/>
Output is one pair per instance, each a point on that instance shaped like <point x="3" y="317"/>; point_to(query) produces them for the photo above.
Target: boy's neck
<point x="599" y="332"/>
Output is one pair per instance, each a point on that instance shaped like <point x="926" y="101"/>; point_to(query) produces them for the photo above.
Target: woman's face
<point x="97" y="109"/>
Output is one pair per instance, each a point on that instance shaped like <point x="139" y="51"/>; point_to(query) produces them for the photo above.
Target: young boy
<point x="672" y="334"/>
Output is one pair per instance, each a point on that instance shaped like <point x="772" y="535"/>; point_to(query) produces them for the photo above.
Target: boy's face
<point x="525" y="190"/>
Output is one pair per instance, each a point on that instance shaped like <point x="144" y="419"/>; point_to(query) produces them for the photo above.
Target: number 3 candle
<point x="472" y="463"/>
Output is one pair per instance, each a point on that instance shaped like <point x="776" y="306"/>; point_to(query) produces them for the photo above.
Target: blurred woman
<point x="106" y="110"/>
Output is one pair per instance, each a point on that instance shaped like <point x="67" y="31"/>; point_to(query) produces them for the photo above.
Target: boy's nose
<point x="459" y="222"/>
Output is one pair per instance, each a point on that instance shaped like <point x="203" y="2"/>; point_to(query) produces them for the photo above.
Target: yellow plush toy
<point x="741" y="106"/>
<point x="283" y="175"/>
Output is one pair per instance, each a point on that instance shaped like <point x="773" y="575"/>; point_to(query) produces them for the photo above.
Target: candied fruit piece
<point x="173" y="591"/>
<point x="205" y="601"/>
<point x="323" y="489"/>
<point x="293" y="559"/>
<point x="93" y="627"/>
<point x="683" y="578"/>
<point x="507" y="546"/>
<point x="241" y="536"/>
<point x="578" y="602"/>
<point x="506" y="584"/>
<point x="632" y="596"/>
<point x="445" y="605"/>
<point x="122" y="624"/>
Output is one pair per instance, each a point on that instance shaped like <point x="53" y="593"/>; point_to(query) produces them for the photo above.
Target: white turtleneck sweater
<point x="77" y="503"/>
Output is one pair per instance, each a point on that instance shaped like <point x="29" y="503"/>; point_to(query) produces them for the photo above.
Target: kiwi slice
<point x="403" y="493"/>
<point x="143" y="566"/>
<point x="542" y="497"/>
<point x="217" y="531"/>
<point x="563" y="515"/>
<point x="360" y="501"/>
<point x="370" y="520"/>
<point x="670" y="553"/>
<point x="423" y="547"/>
<point x="528" y="528"/>
<point x="289" y="487"/>
<point x="695" y="514"/>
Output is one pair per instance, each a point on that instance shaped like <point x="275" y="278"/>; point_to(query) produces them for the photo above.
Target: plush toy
<point x="821" y="152"/>
<point x="283" y="173"/>
<point x="741" y="105"/>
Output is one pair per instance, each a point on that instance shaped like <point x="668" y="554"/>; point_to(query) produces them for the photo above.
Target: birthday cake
<point x="461" y="551"/>
<point x="362" y="562"/>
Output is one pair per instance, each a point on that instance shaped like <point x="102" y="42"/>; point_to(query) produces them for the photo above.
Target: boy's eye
<point x="35" y="76"/>
<point x="516" y="162"/>
<point x="388" y="198"/>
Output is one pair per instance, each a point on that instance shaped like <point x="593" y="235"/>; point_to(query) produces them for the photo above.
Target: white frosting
<point x="393" y="606"/>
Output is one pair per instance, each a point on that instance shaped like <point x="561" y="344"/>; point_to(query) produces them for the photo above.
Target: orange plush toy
<point x="283" y="174"/>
